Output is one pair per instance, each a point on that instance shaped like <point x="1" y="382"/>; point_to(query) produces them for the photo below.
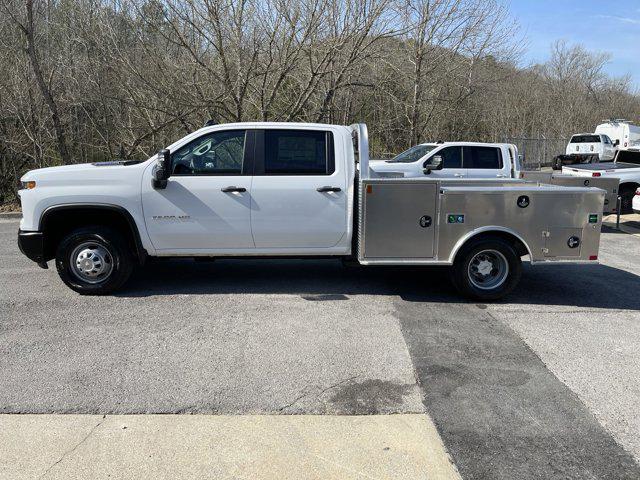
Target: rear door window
<point x="298" y="152"/>
<point x="482" y="157"/>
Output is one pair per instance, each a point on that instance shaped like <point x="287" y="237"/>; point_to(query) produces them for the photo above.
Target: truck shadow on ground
<point x="597" y="286"/>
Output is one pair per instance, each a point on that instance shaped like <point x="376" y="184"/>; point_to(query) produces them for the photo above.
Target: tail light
<point x="596" y="174"/>
<point x="638" y="192"/>
<point x="593" y="257"/>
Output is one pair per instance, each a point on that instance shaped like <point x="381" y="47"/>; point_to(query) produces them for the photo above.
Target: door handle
<point x="328" y="189"/>
<point x="501" y="175"/>
<point x="233" y="189"/>
<point x="458" y="175"/>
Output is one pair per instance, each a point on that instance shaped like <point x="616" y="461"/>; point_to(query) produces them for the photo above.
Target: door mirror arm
<point x="434" y="163"/>
<point x="161" y="171"/>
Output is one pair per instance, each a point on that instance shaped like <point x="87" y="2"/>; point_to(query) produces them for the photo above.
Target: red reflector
<point x="638" y="191"/>
<point x="593" y="257"/>
<point x="596" y="174"/>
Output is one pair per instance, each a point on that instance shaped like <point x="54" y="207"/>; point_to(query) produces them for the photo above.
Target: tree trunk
<point x="44" y="88"/>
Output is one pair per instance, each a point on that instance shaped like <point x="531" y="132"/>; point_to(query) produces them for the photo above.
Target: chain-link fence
<point x="538" y="152"/>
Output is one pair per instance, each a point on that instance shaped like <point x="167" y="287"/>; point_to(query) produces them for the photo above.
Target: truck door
<point x="485" y="162"/>
<point x="206" y="205"/>
<point x="451" y="163"/>
<point x="299" y="190"/>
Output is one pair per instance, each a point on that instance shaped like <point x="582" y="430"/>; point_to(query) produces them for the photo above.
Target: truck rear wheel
<point x="487" y="269"/>
<point x="94" y="260"/>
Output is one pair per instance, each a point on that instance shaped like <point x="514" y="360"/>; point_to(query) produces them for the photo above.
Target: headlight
<point x="29" y="185"/>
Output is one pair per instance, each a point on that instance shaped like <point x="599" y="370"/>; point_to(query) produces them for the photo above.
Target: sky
<point x="611" y="26"/>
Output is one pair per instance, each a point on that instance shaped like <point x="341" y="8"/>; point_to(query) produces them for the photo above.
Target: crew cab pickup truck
<point x="454" y="160"/>
<point x="295" y="190"/>
<point x="625" y="167"/>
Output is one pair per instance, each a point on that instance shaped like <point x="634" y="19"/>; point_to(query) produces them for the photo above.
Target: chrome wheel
<point x="91" y="262"/>
<point x="488" y="269"/>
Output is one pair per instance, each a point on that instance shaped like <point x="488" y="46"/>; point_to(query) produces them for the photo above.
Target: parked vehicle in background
<point x="456" y="160"/>
<point x="586" y="148"/>
<point x="635" y="205"/>
<point x="623" y="133"/>
<point x="290" y="189"/>
<point x="626" y="167"/>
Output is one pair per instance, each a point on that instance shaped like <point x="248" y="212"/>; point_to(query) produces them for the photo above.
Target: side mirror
<point x="616" y="143"/>
<point x="434" y="163"/>
<point x="161" y="171"/>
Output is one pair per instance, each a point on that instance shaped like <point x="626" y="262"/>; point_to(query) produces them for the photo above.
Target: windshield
<point x="412" y="155"/>
<point x="585" y="139"/>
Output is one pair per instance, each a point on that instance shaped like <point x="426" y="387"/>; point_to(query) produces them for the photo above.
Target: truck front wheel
<point x="487" y="269"/>
<point x="94" y="260"/>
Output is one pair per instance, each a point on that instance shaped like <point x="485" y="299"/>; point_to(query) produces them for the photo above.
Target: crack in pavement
<point x="69" y="452"/>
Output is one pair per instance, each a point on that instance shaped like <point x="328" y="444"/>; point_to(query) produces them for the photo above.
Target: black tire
<point x="112" y="253"/>
<point x="627" y="193"/>
<point x="484" y="252"/>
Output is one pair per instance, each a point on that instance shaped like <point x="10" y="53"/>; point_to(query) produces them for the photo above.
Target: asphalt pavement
<point x="545" y="384"/>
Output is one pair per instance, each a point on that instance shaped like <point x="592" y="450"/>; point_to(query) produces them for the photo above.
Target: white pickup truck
<point x="625" y="167"/>
<point x="454" y="160"/>
<point x="586" y="148"/>
<point x="293" y="190"/>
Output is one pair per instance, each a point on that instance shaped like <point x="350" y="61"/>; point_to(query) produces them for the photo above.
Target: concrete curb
<point x="10" y="215"/>
<point x="284" y="447"/>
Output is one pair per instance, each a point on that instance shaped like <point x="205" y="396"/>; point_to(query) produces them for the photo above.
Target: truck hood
<point x="77" y="169"/>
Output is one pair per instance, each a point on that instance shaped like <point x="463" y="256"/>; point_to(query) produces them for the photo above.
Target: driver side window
<point x="215" y="153"/>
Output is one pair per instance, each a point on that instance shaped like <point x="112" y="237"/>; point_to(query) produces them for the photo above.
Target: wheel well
<point x="510" y="238"/>
<point x="57" y="222"/>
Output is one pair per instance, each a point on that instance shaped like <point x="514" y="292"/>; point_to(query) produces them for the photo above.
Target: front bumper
<point x="32" y="245"/>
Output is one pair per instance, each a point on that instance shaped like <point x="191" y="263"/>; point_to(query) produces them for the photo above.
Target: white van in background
<point x="623" y="134"/>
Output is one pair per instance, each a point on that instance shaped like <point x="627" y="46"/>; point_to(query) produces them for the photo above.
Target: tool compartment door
<point x="399" y="220"/>
<point x="563" y="242"/>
